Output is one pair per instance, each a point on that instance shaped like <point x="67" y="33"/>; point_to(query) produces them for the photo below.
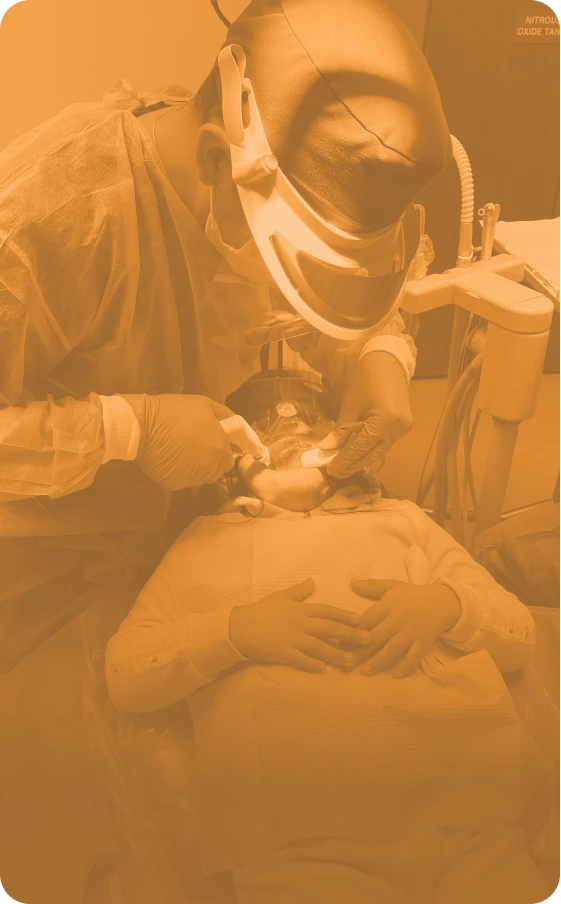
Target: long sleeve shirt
<point x="176" y="640"/>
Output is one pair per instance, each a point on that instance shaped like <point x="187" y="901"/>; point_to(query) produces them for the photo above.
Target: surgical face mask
<point x="246" y="261"/>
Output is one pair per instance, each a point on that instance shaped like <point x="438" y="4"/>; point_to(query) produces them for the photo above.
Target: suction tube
<point x="465" y="244"/>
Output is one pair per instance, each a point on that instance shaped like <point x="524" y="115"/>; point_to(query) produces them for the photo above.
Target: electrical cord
<point x="425" y="487"/>
<point x="462" y="413"/>
<point x="468" y="483"/>
<point x="470" y="435"/>
<point x="446" y="430"/>
<point x="219" y="13"/>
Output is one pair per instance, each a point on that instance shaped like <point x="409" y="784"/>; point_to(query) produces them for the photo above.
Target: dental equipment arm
<point x="513" y="347"/>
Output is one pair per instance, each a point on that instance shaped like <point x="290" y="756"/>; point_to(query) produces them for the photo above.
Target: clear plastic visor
<point x="353" y="298"/>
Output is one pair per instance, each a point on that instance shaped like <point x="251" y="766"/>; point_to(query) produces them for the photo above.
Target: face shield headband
<point x="344" y="284"/>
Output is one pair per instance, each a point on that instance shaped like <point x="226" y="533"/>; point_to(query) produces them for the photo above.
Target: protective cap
<point x="348" y="103"/>
<point x="345" y="284"/>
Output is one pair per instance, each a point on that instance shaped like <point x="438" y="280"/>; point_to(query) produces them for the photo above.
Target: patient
<point x="341" y="659"/>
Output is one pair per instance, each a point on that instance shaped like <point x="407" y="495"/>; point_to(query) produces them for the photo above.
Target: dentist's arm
<point x="372" y="377"/>
<point x="55" y="447"/>
<point x="49" y="303"/>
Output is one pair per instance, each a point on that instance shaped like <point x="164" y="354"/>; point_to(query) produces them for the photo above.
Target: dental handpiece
<point x="240" y="434"/>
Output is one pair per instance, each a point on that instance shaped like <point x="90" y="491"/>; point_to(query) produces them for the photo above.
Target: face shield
<point x="344" y="284"/>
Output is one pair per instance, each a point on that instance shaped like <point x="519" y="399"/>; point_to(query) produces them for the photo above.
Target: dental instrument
<point x="242" y="435"/>
<point x="317" y="458"/>
<point x="489" y="214"/>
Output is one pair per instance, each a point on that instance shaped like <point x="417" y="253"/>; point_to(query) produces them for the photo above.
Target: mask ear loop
<point x="219" y="13"/>
<point x="256" y="163"/>
<point x="231" y="65"/>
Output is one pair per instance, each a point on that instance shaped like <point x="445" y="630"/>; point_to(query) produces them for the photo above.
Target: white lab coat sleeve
<point x="337" y="359"/>
<point x="491" y="618"/>
<point x="160" y="656"/>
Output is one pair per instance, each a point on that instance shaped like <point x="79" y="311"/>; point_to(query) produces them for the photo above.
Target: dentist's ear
<point x="213" y="155"/>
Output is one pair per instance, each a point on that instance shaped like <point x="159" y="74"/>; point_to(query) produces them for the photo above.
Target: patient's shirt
<point x="285" y="755"/>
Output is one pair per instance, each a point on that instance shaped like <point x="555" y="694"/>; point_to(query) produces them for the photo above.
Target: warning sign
<point x="536" y="24"/>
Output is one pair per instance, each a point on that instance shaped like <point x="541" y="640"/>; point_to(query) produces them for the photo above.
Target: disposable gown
<point x="108" y="284"/>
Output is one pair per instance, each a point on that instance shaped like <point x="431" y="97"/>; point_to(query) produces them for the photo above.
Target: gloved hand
<point x="404" y="625"/>
<point x="181" y="442"/>
<point x="374" y="414"/>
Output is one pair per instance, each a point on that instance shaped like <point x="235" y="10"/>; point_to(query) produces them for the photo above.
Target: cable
<point x="470" y="436"/>
<point x="424" y="489"/>
<point x="219" y="13"/>
<point x="453" y="491"/>
<point x="468" y="484"/>
<point x="425" y="486"/>
<point x="447" y="428"/>
<point x="453" y="487"/>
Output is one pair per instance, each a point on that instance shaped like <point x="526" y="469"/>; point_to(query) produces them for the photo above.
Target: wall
<point x="500" y="98"/>
<point x="57" y="52"/>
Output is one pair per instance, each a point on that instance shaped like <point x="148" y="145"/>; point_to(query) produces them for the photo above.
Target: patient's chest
<point x="332" y="551"/>
<point x="324" y="752"/>
<point x="221" y="561"/>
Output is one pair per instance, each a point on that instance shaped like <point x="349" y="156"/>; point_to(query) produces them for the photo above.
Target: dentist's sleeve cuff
<point x="395" y="346"/>
<point x="120" y="428"/>
<point x="212" y="651"/>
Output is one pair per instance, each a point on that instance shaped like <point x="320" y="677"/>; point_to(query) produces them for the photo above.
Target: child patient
<point x="341" y="658"/>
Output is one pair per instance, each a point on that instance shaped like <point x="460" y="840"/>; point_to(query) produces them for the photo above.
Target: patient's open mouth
<point x="287" y="451"/>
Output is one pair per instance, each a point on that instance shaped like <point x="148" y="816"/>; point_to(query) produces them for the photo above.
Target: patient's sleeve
<point x="160" y="655"/>
<point x="491" y="618"/>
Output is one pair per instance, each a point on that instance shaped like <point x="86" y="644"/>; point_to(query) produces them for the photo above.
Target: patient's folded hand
<point x="282" y="628"/>
<point x="404" y="624"/>
<point x="295" y="490"/>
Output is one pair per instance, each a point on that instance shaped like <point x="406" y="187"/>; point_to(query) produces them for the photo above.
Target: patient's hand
<point x="295" y="490"/>
<point x="282" y="628"/>
<point x="404" y="624"/>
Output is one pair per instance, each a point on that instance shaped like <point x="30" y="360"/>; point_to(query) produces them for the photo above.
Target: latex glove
<point x="284" y="629"/>
<point x="404" y="625"/>
<point x="374" y="414"/>
<point x="181" y="442"/>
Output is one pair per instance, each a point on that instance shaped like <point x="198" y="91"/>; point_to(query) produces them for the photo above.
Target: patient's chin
<point x="300" y="489"/>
